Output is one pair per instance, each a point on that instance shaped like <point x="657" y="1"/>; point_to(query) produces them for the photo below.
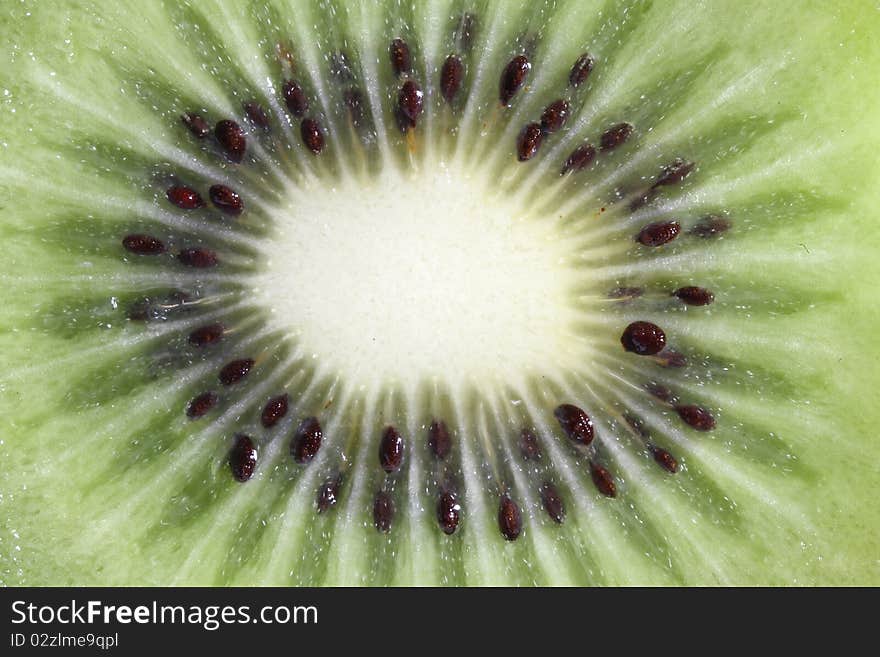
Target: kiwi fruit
<point x="455" y="292"/>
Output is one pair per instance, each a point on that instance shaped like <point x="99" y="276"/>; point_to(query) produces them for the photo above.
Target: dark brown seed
<point x="383" y="511"/>
<point x="695" y="296"/>
<point x="643" y="338"/>
<point x="354" y="100"/>
<point x="635" y="424"/>
<point x="401" y="61"/>
<point x="312" y="135"/>
<point x="581" y="70"/>
<point x="274" y="410"/>
<point x="206" y="335"/>
<point x="196" y="124"/>
<point x="672" y="359"/>
<point x="696" y="417"/>
<point x="615" y="136"/>
<point x="307" y="440"/>
<point x="295" y="98"/>
<point x="256" y="114"/>
<point x="199" y="258"/>
<point x="674" y="172"/>
<point x="512" y="78"/>
<point x="231" y="138"/>
<point x="243" y="458"/>
<point x="439" y="439"/>
<point x="225" y="199"/>
<point x="528" y="142"/>
<point x="201" y="404"/>
<point x="410" y="101"/>
<point x="625" y="293"/>
<point x="554" y="116"/>
<point x="235" y="371"/>
<point x="660" y="391"/>
<point x="450" y="77"/>
<point x="467" y="30"/>
<point x="580" y="158"/>
<point x="328" y="494"/>
<point x="391" y="450"/>
<point x="448" y="512"/>
<point x="658" y="233"/>
<point x="143" y="244"/>
<point x="186" y="198"/>
<point x="528" y="445"/>
<point x="603" y="480"/>
<point x="666" y="460"/>
<point x="553" y="504"/>
<point x="509" y="519"/>
<point x="576" y="424"/>
<point x="711" y="226"/>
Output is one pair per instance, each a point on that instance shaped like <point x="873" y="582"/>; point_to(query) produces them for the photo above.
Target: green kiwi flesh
<point x="105" y="480"/>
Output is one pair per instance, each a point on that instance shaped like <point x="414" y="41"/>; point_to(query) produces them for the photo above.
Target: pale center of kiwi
<point x="417" y="275"/>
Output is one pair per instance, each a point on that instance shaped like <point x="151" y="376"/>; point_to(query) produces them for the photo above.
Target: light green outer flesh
<point x="842" y="344"/>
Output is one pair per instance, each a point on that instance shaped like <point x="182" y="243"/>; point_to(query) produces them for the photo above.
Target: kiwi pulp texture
<point x="351" y="291"/>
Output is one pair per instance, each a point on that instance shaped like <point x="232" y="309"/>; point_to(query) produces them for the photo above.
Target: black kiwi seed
<point x="576" y="424"/>
<point x="256" y="114"/>
<point x="206" y="335"/>
<point x="450" y="77"/>
<point x="328" y="494"/>
<point x="235" y="371"/>
<point x="603" y="480"/>
<point x="401" y="60"/>
<point x="615" y="136"/>
<point x="196" y="124"/>
<point x="580" y="71"/>
<point x="509" y="518"/>
<point x="225" y="199"/>
<point x="143" y="244"/>
<point x="186" y="198"/>
<point x="274" y="410"/>
<point x="231" y="138"/>
<point x="243" y="458"/>
<point x="391" y="450"/>
<point x="695" y="296"/>
<point x="674" y="172"/>
<point x="696" y="417"/>
<point x="410" y="101"/>
<point x="312" y="135"/>
<point x="528" y="142"/>
<point x="307" y="440"/>
<point x="658" y="233"/>
<point x="201" y="404"/>
<point x="643" y="338"/>
<point x="198" y="258"/>
<point x="666" y="460"/>
<point x="513" y="77"/>
<point x="554" y="116"/>
<point x="383" y="512"/>
<point x="552" y="501"/>
<point x="580" y="158"/>
<point x="711" y="226"/>
<point x="295" y="98"/>
<point x="439" y="439"/>
<point x="528" y="445"/>
<point x="448" y="512"/>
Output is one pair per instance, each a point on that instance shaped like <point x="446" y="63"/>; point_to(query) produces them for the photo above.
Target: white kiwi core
<point x="419" y="275"/>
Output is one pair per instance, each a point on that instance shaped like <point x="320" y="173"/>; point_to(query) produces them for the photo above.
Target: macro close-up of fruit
<point x="442" y="292"/>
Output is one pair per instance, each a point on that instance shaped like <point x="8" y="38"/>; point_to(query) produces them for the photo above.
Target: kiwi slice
<point x="455" y="292"/>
